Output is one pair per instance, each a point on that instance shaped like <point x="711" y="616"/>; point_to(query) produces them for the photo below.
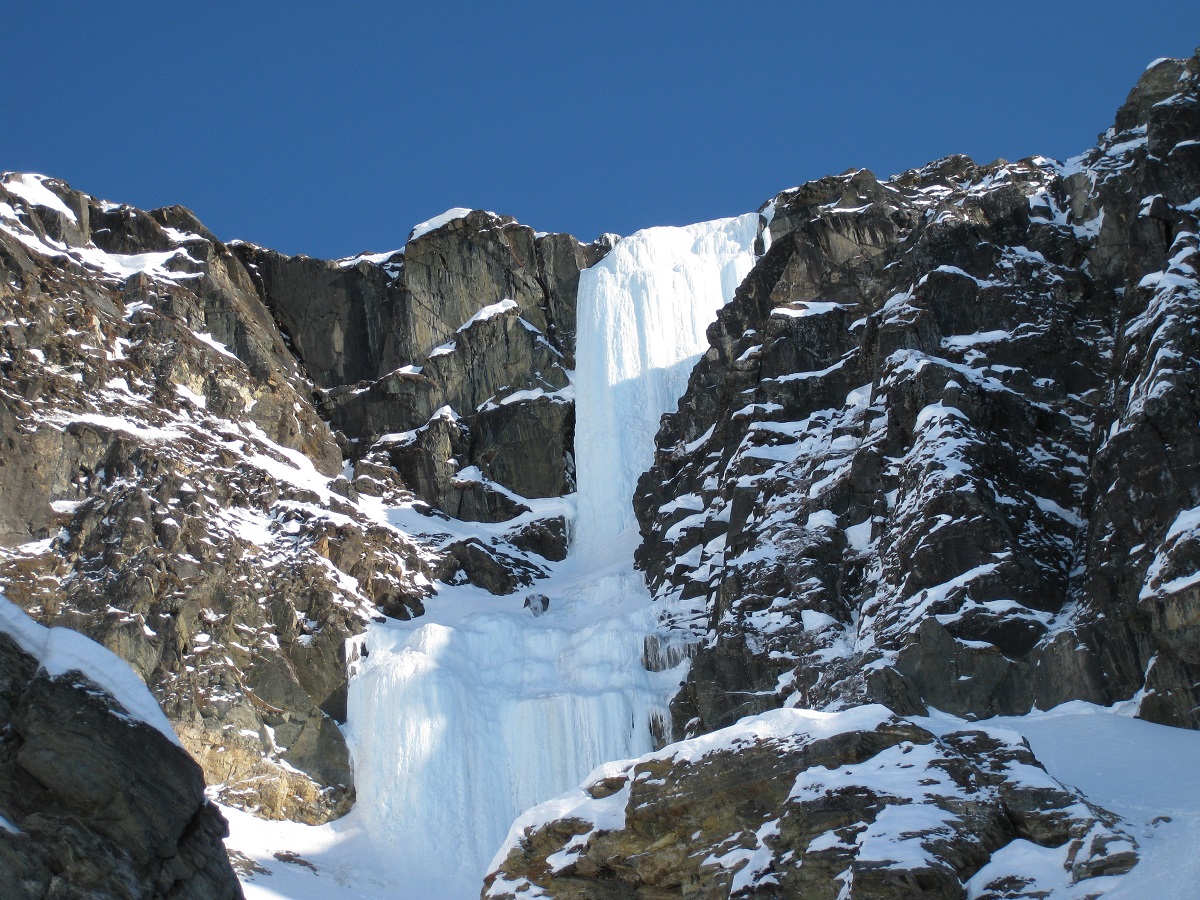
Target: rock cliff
<point x="941" y="451"/>
<point x="940" y="456"/>
<point x="172" y="487"/>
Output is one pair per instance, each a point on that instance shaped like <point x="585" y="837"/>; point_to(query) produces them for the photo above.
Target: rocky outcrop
<point x="95" y="802"/>
<point x="168" y="487"/>
<point x="447" y="361"/>
<point x="801" y="804"/>
<point x="941" y="451"/>
<point x="171" y="486"/>
<point x="335" y="315"/>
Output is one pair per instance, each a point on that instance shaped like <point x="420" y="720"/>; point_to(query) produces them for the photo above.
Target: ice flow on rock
<point x="464" y="718"/>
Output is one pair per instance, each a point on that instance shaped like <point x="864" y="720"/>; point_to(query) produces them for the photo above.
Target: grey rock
<point x="786" y="816"/>
<point x="104" y="805"/>
<point x="133" y="410"/>
<point x="536" y="604"/>
<point x="941" y="432"/>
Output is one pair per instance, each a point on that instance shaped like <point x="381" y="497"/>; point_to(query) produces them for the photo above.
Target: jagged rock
<point x="397" y="338"/>
<point x="526" y="444"/>
<point x="427" y="458"/>
<point x="96" y="802"/>
<point x="492" y="569"/>
<point x="545" y="537"/>
<point x="337" y="315"/>
<point x="940" y="451"/>
<point x="164" y="489"/>
<point x="793" y="803"/>
<point x="560" y="260"/>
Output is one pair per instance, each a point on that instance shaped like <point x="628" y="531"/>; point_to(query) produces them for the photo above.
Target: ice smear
<point x="61" y="650"/>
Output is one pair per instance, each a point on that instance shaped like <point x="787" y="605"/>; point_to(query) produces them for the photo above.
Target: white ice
<point x="642" y="315"/>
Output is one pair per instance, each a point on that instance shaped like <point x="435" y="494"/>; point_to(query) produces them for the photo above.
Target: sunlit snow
<point x="437" y="222"/>
<point x="63" y="650"/>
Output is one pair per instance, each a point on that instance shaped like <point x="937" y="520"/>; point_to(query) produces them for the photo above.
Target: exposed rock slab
<point x="95" y="802"/>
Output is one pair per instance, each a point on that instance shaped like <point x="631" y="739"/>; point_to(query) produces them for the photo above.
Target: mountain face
<point x="171" y="486"/>
<point x="940" y="455"/>
<point x="942" y="450"/>
<point x="938" y="463"/>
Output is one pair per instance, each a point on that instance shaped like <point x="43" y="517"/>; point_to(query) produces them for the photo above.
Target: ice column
<point x="642" y="315"/>
<point x="459" y="728"/>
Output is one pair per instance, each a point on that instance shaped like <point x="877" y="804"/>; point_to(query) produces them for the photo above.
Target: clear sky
<point x="330" y="128"/>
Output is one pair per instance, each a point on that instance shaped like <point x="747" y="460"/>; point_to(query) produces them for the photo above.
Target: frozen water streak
<point x="458" y="728"/>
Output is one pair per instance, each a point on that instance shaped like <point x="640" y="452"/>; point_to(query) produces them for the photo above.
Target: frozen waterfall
<point x="462" y="719"/>
<point x="642" y="314"/>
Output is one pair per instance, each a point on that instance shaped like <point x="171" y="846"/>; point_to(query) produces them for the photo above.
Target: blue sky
<point x="329" y="129"/>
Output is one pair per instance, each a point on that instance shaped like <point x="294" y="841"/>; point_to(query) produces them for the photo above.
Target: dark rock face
<point x="335" y="314"/>
<point x="99" y="804"/>
<point x="942" y="449"/>
<point x="449" y="364"/>
<point x="859" y="804"/>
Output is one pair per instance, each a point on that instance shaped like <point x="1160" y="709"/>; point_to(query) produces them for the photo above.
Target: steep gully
<point x="478" y="710"/>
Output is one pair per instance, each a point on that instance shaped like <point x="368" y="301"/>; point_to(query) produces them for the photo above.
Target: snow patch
<point x="30" y="189"/>
<point x="450" y="215"/>
<point x="60" y="651"/>
<point x="488" y="312"/>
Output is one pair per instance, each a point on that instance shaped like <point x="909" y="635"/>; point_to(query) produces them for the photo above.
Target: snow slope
<point x="1145" y="773"/>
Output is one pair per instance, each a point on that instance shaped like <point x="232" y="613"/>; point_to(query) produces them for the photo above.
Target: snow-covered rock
<point x="942" y="450"/>
<point x="799" y="803"/>
<point x="97" y="797"/>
